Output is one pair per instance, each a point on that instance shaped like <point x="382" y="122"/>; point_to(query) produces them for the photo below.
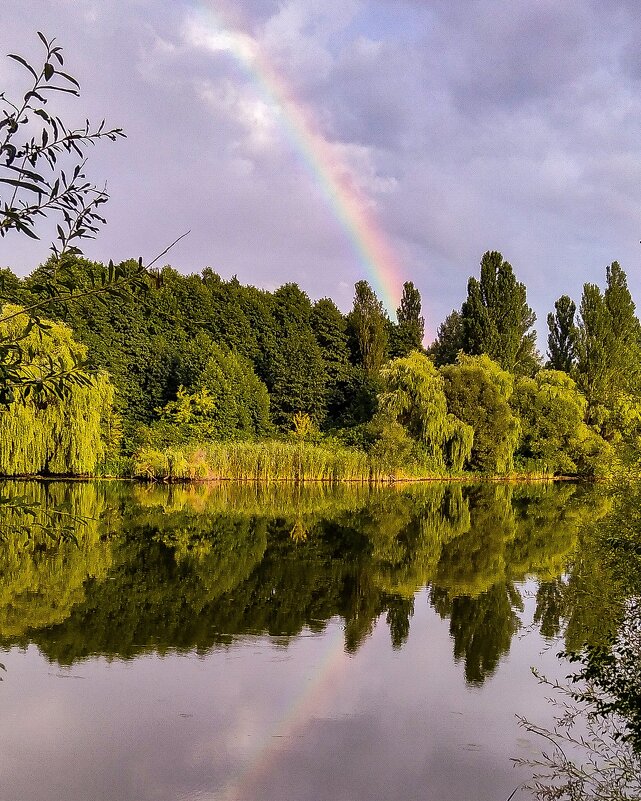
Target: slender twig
<point x="168" y="248"/>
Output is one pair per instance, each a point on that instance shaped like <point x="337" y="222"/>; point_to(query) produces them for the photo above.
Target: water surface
<point x="237" y="643"/>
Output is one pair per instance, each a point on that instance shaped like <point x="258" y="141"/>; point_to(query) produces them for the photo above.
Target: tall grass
<point x="270" y="460"/>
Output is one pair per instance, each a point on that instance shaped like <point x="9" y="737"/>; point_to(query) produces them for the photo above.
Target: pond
<point x="245" y="643"/>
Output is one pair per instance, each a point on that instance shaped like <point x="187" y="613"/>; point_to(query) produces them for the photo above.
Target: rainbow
<point x="326" y="166"/>
<point x="310" y="701"/>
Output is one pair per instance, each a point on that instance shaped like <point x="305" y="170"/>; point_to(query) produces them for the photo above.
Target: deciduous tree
<point x="368" y="323"/>
<point x="562" y="336"/>
<point x="497" y="319"/>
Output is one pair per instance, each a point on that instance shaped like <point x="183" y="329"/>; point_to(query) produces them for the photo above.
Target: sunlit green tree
<point x="496" y="318"/>
<point x="413" y="395"/>
<point x="478" y="393"/>
<point x="65" y="431"/>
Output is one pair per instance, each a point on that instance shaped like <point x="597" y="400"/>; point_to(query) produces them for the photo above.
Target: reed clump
<point x="268" y="460"/>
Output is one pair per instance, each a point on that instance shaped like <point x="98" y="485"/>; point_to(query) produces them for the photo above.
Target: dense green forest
<point x="199" y="377"/>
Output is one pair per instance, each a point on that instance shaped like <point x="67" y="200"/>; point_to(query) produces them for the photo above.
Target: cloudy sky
<point x="324" y="141"/>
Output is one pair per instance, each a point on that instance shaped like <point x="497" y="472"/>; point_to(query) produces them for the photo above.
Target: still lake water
<point x="244" y="643"/>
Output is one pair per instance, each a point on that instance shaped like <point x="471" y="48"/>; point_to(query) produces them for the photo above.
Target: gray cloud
<point x="474" y="125"/>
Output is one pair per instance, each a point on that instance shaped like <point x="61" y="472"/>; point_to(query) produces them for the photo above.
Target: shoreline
<point x="472" y="478"/>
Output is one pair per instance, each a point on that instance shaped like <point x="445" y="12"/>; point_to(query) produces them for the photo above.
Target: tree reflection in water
<point x="193" y="567"/>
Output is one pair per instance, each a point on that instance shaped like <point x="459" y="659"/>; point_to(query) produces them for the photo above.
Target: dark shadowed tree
<point x="368" y="324"/>
<point x="561" y="339"/>
<point x="408" y="334"/>
<point x="295" y="369"/>
<point x="330" y="330"/>
<point x="449" y="340"/>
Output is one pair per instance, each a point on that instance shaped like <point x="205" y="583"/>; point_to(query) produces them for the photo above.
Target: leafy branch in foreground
<point x="31" y="168"/>
<point x="595" y="750"/>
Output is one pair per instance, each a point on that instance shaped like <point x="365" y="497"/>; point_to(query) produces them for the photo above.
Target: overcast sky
<point x="511" y="125"/>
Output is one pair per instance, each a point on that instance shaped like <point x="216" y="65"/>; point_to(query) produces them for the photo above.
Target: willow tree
<point x="64" y="430"/>
<point x="552" y="410"/>
<point x="478" y="392"/>
<point x="413" y="396"/>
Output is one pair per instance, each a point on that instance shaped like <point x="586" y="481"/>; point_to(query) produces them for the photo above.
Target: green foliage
<point x="408" y="334"/>
<point x="294" y="369"/>
<point x="229" y="401"/>
<point x="593" y="347"/>
<point x="496" y="318"/>
<point x="392" y="449"/>
<point x="449" y="340"/>
<point x="478" y="393"/>
<point x="413" y="397"/>
<point x="596" y="736"/>
<point x="562" y="336"/>
<point x="330" y="329"/>
<point x="368" y="324"/>
<point x="608" y="347"/>
<point x="38" y="183"/>
<point x="65" y="432"/>
<point x="552" y="411"/>
<point x="613" y="676"/>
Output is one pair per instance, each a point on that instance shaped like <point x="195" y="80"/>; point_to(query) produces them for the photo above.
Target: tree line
<point x="197" y="360"/>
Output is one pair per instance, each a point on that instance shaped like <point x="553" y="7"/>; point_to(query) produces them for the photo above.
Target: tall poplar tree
<point x="497" y="319"/>
<point x="608" y="344"/>
<point x="408" y="334"/>
<point x="562" y="336"/>
<point x="368" y="322"/>
<point x="625" y="347"/>
<point x="594" y="340"/>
